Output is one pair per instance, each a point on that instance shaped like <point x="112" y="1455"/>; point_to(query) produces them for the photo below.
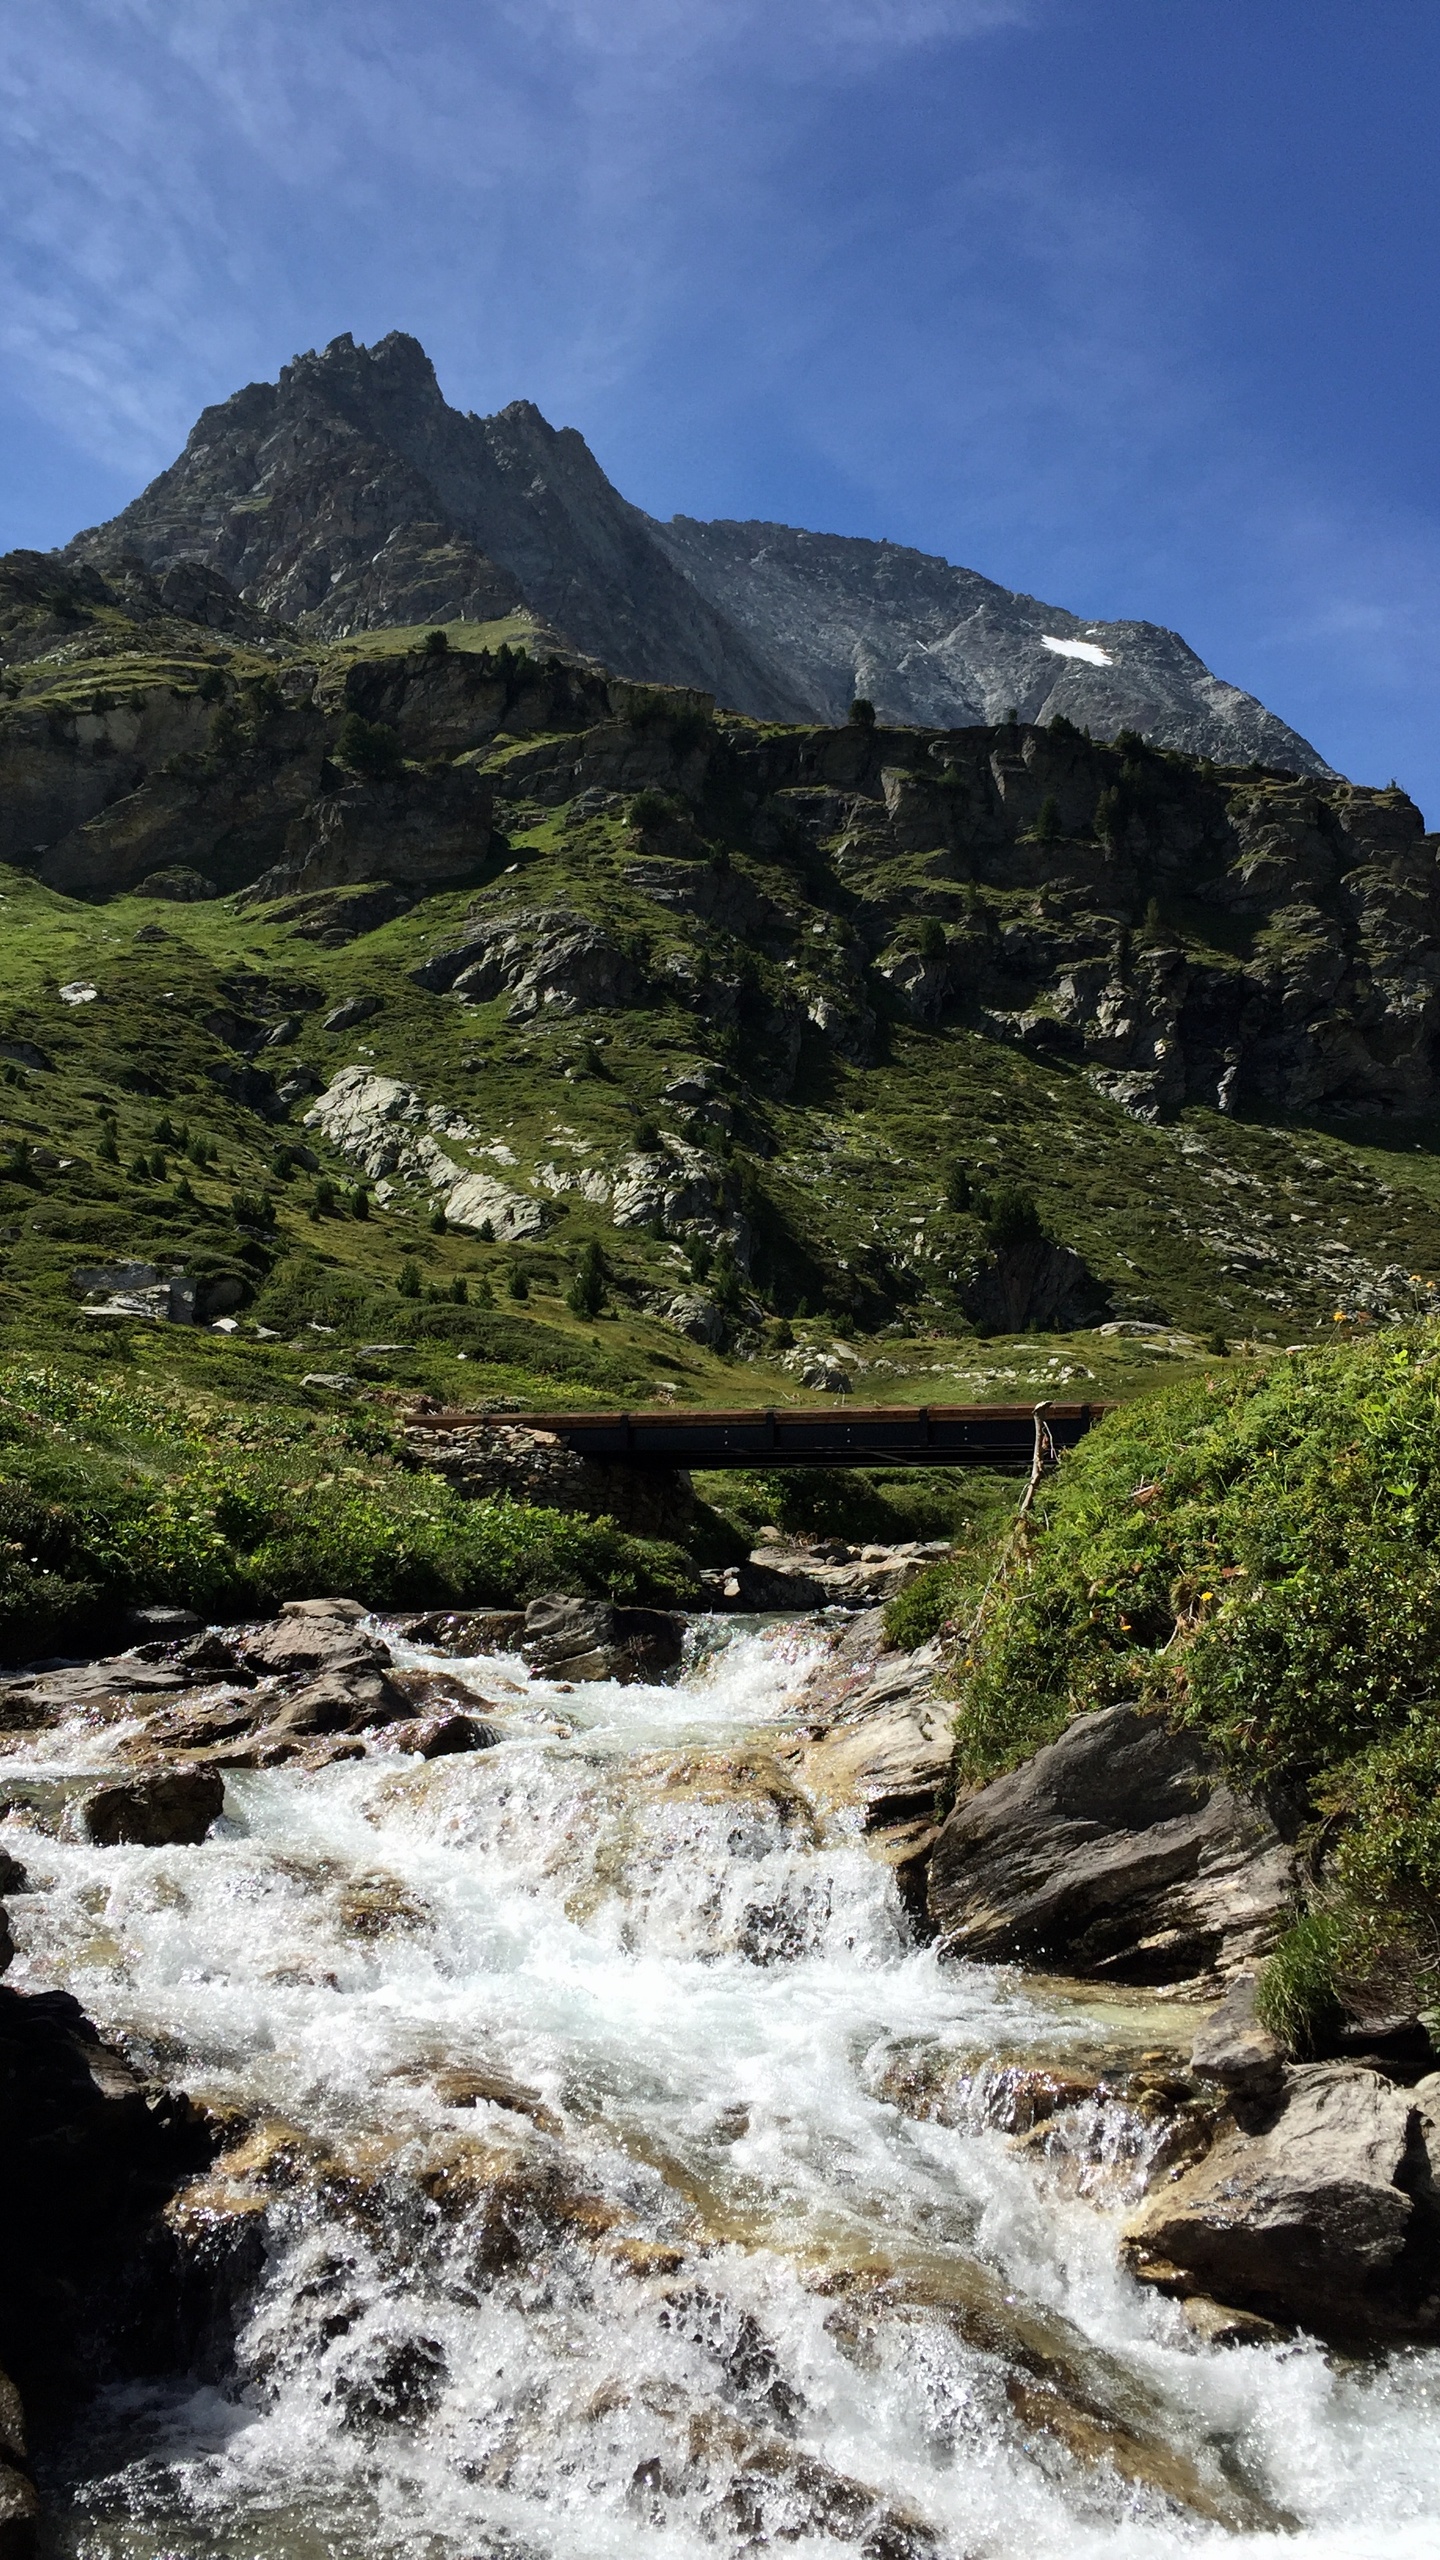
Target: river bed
<point x="563" y="2082"/>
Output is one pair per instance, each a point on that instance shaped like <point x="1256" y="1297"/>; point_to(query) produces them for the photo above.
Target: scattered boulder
<point x="1319" y="2208"/>
<point x="169" y="1806"/>
<point x="762" y="1588"/>
<point x="593" y="1640"/>
<point x="178" y="882"/>
<point x="1119" y="1851"/>
<point x="355" y="1009"/>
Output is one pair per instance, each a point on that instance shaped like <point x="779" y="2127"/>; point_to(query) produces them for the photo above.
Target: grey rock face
<point x="1324" y="2212"/>
<point x="943" y="647"/>
<point x="1116" y="1851"/>
<point x="349" y="495"/>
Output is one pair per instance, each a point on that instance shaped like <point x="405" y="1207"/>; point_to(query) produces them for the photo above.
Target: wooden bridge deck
<point x="839" y="1435"/>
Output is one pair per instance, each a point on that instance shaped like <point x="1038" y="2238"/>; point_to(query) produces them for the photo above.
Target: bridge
<point x="1005" y="1437"/>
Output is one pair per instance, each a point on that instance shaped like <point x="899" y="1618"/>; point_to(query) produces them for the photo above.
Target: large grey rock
<point x="1119" y="1850"/>
<point x="1325" y="2213"/>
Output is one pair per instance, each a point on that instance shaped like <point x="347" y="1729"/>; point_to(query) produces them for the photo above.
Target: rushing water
<point x="689" y="2282"/>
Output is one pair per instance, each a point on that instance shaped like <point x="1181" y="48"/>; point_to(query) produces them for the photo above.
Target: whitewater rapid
<point x="730" y="2297"/>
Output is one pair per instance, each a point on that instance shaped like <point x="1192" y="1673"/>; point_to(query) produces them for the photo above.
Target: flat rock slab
<point x="1325" y="2213"/>
<point x="1116" y="1851"/>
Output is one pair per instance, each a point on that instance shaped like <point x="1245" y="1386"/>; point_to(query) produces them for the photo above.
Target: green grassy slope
<point x="845" y="1148"/>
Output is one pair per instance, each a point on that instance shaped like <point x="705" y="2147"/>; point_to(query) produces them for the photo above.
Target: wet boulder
<point x="435" y="1737"/>
<point x="1318" y="2208"/>
<point x="1118" y="1851"/>
<point x="1234" y="2049"/>
<point x="570" y="1639"/>
<point x="165" y="1807"/>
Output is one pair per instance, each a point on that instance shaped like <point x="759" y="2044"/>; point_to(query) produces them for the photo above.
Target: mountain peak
<point x="294" y="490"/>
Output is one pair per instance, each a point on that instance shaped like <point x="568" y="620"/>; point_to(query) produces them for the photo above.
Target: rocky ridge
<point x="349" y="496"/>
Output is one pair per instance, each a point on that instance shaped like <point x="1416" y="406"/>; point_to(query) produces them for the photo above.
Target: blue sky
<point x="1130" y="303"/>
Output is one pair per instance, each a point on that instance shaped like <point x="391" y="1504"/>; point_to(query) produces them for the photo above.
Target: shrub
<point x="517" y="1283"/>
<point x="435" y="644"/>
<point x="649" y="811"/>
<point x="861" y="714"/>
<point x="1297" y="1997"/>
<point x="931" y="941"/>
<point x="360" y="1202"/>
<point x="646" y="1137"/>
<point x="408" y="1283"/>
<point x="958" y="1188"/>
<point x="1047" y="823"/>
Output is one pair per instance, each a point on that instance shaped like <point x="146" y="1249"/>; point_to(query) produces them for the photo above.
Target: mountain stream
<point x="589" y="2214"/>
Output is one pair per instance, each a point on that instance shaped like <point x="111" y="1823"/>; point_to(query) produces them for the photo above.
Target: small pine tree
<point x="1047" y="823"/>
<point x="438" y="1225"/>
<point x="322" y="1199"/>
<point x="647" y="1137"/>
<point x="368" y="747"/>
<point x="436" y="644"/>
<point x="958" y="1189"/>
<point x="408" y="1283"/>
<point x="486" y="1231"/>
<point x="459" y="1291"/>
<point x="107" y="1151"/>
<point x="360" y="1202"/>
<point x="586" y="1293"/>
<point x="517" y="1284"/>
<point x="701" y="1256"/>
<point x="862" y="712"/>
<point x="933" y="944"/>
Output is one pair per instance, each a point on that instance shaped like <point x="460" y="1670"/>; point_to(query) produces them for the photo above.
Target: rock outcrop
<point x="1117" y="1851"/>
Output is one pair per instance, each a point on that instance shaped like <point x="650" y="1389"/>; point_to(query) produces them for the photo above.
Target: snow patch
<point x="1089" y="650"/>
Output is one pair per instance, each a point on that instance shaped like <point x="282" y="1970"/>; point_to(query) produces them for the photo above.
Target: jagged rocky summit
<point x="350" y="496"/>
